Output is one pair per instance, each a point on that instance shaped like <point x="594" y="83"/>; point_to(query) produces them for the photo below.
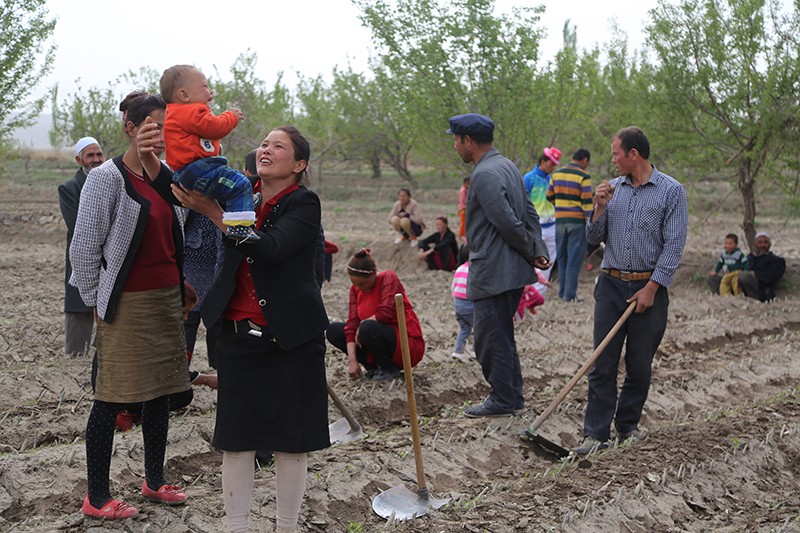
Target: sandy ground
<point x="720" y="452"/>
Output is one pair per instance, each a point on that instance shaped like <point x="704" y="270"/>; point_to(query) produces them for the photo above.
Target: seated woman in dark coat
<point x="439" y="249"/>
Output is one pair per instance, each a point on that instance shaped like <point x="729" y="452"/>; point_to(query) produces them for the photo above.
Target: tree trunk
<point x="747" y="188"/>
<point x="375" y="163"/>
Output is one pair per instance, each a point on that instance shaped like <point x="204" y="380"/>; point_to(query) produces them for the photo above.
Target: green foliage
<point x="726" y="90"/>
<point x="95" y="112"/>
<point x="25" y="57"/>
<point x="441" y="58"/>
<point x="263" y="109"/>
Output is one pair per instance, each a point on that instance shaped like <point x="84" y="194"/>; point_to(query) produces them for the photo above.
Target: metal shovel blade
<point x="402" y="504"/>
<point x="341" y="432"/>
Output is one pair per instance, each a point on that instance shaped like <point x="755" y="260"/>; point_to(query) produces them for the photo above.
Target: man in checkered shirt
<point x="642" y="218"/>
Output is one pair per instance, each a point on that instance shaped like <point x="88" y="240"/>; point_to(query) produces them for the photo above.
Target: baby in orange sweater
<point x="191" y="135"/>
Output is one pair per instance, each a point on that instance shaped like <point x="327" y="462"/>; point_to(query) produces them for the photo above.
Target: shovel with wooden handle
<point x="399" y="502"/>
<point x="345" y="429"/>
<point x="531" y="434"/>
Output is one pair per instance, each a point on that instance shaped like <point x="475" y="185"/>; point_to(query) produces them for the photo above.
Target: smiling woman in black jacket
<point x="271" y="354"/>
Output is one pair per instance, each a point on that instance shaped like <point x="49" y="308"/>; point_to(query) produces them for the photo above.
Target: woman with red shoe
<point x="126" y="255"/>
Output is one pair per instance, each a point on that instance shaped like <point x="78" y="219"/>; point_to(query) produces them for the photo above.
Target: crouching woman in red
<point x="371" y="337"/>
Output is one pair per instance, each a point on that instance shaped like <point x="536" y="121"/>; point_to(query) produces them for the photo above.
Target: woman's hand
<point x="354" y="370"/>
<point x="149" y="146"/>
<point x="199" y="202"/>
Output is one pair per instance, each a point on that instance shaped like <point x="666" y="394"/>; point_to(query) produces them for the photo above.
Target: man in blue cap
<point x="505" y="242"/>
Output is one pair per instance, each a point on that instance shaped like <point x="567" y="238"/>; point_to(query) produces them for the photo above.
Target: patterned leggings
<point x="100" y="440"/>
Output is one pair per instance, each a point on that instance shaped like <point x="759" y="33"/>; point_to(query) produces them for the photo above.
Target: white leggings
<point x="237" y="487"/>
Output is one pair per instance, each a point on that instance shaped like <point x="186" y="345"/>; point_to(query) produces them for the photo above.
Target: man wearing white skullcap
<point x="78" y="318"/>
<point x="766" y="269"/>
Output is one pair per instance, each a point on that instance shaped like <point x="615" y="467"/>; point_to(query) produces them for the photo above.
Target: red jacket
<point x="379" y="301"/>
<point x="192" y="132"/>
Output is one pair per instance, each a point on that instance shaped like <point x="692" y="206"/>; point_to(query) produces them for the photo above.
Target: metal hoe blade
<point x="341" y="432"/>
<point x="399" y="503"/>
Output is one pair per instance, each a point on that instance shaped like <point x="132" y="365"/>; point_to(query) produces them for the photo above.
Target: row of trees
<point x="716" y="89"/>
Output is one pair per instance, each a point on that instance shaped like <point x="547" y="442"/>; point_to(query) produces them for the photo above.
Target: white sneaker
<point x="398" y="240"/>
<point x="413" y="243"/>
<point x="464" y="358"/>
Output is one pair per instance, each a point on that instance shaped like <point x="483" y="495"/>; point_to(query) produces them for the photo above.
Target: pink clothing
<point x="459" y="286"/>
<point x="531" y="299"/>
<point x="462" y="197"/>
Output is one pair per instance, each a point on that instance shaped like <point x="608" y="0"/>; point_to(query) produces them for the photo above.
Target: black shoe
<point x="383" y="374"/>
<point x="242" y="234"/>
<point x="257" y="198"/>
<point x="481" y="410"/>
<point x="369" y="373"/>
<point x="264" y="458"/>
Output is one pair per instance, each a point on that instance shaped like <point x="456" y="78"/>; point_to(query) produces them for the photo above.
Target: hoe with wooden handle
<point x="399" y="502"/>
<point x="531" y="434"/>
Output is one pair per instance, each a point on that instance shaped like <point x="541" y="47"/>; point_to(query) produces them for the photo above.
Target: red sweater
<point x="192" y="132"/>
<point x="379" y="301"/>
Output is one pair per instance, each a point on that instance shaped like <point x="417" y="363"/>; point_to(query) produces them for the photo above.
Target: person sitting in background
<point x="766" y="270"/>
<point x="439" y="249"/>
<point x="406" y="218"/>
<point x="371" y="337"/>
<point x="723" y="279"/>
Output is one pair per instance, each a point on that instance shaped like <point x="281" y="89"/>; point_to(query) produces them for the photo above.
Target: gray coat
<point x="503" y="230"/>
<point x="69" y="194"/>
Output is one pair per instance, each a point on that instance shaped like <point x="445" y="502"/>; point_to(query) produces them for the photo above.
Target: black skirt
<point x="269" y="398"/>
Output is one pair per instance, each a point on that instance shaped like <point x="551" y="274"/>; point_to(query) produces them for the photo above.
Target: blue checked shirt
<point x="644" y="228"/>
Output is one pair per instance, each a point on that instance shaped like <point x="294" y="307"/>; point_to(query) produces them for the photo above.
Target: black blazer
<point x="282" y="264"/>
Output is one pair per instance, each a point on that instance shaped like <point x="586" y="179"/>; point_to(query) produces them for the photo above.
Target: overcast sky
<point x="99" y="40"/>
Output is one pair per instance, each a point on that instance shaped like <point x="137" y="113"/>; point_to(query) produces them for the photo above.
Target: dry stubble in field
<point x="721" y="451"/>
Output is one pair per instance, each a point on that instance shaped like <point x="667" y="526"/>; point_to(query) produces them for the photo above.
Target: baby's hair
<point x="362" y="264"/>
<point x="733" y="237"/>
<point x="171" y="81"/>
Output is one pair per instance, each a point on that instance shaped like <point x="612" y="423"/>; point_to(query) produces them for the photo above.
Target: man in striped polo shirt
<point x="570" y="191"/>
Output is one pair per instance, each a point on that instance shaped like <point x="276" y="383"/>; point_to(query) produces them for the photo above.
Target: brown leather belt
<point x="627" y="276"/>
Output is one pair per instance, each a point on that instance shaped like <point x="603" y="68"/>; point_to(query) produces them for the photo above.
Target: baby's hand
<point x="238" y="112"/>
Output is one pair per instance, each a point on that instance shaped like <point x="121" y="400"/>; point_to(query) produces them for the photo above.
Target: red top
<point x="379" y="301"/>
<point x="192" y="132"/>
<point x="155" y="265"/>
<point x="244" y="303"/>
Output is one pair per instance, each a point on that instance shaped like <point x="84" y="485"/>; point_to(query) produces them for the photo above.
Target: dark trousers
<point x="641" y="334"/>
<point x="190" y="326"/>
<point x="377" y="340"/>
<point x="496" y="349"/>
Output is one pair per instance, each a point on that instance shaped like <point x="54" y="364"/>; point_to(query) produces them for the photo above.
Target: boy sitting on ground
<point x="730" y="263"/>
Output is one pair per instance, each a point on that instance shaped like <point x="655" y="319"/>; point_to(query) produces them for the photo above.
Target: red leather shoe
<point x="169" y="494"/>
<point x="125" y="420"/>
<point x="113" y="510"/>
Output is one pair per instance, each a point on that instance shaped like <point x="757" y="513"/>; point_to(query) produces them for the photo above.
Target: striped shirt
<point x="570" y="191"/>
<point x="644" y="228"/>
<point x="459" y="286"/>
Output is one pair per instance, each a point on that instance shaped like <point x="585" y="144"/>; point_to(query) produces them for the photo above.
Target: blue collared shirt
<point x="644" y="228"/>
